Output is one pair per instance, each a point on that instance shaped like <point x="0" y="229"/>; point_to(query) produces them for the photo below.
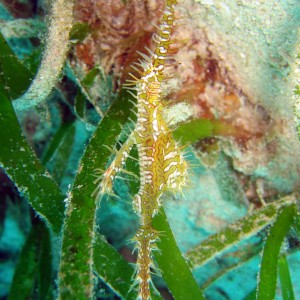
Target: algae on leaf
<point x="76" y="264"/>
<point x="236" y="232"/>
<point x="25" y="170"/>
<point x="54" y="56"/>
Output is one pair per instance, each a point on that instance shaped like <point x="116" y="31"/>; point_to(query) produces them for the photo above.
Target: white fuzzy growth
<point x="178" y="113"/>
<point x="54" y="56"/>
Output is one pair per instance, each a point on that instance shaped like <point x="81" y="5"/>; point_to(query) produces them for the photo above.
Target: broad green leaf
<point x="25" y="170"/>
<point x="296" y="223"/>
<point x="113" y="268"/>
<point x="57" y="140"/>
<point x="189" y="133"/>
<point x="84" y="93"/>
<point x="234" y="233"/>
<point x="267" y="278"/>
<point x="89" y="78"/>
<point x="193" y="131"/>
<point x="33" y="61"/>
<point x="285" y="279"/>
<point x="25" y="272"/>
<point x="45" y="273"/>
<point x="13" y="75"/>
<point x="79" y="104"/>
<point x="251" y="295"/>
<point x="60" y="150"/>
<point x="132" y="165"/>
<point x="76" y="267"/>
<point x="170" y="261"/>
<point x="31" y="262"/>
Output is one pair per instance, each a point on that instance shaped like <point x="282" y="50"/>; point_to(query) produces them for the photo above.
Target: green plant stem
<point x="170" y="261"/>
<point x="285" y="279"/>
<point x="267" y="278"/>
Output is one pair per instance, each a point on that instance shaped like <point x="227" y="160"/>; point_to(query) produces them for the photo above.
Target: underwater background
<point x="231" y="95"/>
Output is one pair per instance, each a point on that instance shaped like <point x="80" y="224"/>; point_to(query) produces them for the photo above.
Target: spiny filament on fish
<point x="162" y="165"/>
